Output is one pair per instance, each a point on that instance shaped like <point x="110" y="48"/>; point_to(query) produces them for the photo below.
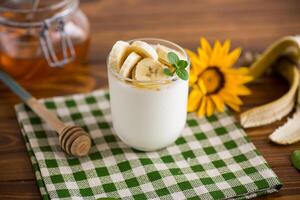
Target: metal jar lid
<point x="33" y="13"/>
<point x="41" y="14"/>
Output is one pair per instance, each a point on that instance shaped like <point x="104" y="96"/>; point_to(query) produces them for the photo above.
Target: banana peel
<point x="279" y="108"/>
<point x="289" y="48"/>
<point x="289" y="133"/>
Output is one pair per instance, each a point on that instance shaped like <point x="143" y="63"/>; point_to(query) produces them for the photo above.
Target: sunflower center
<point x="213" y="79"/>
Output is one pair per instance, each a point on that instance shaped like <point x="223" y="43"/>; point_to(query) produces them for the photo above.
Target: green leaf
<point x="296" y="159"/>
<point x="182" y="73"/>
<point x="182" y="64"/>
<point x="168" y="72"/>
<point x="173" y="58"/>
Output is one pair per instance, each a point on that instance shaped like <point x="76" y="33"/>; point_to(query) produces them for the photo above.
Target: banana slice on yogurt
<point x="144" y="49"/>
<point x="162" y="52"/>
<point x="149" y="69"/>
<point x="118" y="54"/>
<point x="129" y="64"/>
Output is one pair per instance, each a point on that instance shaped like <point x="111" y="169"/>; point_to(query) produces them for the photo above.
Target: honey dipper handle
<point x="48" y="116"/>
<point x="37" y="107"/>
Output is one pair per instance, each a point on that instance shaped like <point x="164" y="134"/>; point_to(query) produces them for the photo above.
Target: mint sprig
<point x="179" y="65"/>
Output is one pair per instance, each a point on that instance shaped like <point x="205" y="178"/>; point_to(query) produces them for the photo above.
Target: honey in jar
<point x="38" y="38"/>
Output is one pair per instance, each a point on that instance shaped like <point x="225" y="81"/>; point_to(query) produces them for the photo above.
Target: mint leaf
<point x="173" y="58"/>
<point x="179" y="65"/>
<point x="168" y="72"/>
<point x="182" y="73"/>
<point x="296" y="159"/>
<point x="182" y="64"/>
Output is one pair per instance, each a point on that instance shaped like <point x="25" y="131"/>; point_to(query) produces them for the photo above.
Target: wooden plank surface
<point x="251" y="24"/>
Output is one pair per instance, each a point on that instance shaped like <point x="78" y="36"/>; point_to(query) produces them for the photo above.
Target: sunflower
<point x="213" y="81"/>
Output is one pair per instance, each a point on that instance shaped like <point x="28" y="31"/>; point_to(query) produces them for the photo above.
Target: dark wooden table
<point x="251" y="24"/>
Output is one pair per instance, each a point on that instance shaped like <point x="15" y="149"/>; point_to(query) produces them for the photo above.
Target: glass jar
<point x="39" y="37"/>
<point x="148" y="115"/>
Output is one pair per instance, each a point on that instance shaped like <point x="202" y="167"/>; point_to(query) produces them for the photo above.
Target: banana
<point x="149" y="69"/>
<point x="270" y="112"/>
<point x="288" y="133"/>
<point x="144" y="49"/>
<point x="275" y="110"/>
<point x="118" y="54"/>
<point x="162" y="52"/>
<point x="129" y="64"/>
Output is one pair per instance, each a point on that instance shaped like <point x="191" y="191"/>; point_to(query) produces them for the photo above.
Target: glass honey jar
<point x="38" y="38"/>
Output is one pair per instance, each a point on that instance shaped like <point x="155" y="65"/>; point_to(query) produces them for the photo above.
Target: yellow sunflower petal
<point x="193" y="77"/>
<point x="228" y="97"/>
<point x="218" y="102"/>
<point x="205" y="46"/>
<point x="203" y="57"/>
<point x="191" y="54"/>
<point x="202" y="86"/>
<point x="210" y="108"/>
<point x="233" y="56"/>
<point x="197" y="66"/>
<point x="234" y="107"/>
<point x="193" y="57"/>
<point x="237" y="79"/>
<point x="194" y="100"/>
<point x="241" y="90"/>
<point x="238" y="71"/>
<point x="215" y="59"/>
<point x="226" y="47"/>
<point x="202" y="110"/>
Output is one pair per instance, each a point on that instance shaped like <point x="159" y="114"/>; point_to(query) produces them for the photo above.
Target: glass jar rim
<point x="61" y="10"/>
<point x="166" y="81"/>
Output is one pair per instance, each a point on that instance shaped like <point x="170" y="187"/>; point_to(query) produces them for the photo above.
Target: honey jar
<point x="37" y="37"/>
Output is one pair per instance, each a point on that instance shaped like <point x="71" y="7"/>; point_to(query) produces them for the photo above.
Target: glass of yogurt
<point x="148" y="108"/>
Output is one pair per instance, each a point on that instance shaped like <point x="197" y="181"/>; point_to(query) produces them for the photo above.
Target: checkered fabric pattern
<point x="213" y="159"/>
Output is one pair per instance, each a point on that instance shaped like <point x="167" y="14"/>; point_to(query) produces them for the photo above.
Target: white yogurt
<point x="148" y="119"/>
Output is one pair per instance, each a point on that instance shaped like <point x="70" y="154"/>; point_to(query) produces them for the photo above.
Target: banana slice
<point x="275" y="110"/>
<point x="129" y="64"/>
<point x="144" y="49"/>
<point x="149" y="69"/>
<point x="288" y="133"/>
<point x="118" y="54"/>
<point x="162" y="52"/>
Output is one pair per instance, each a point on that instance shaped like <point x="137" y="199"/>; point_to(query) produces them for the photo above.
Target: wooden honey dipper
<point x="73" y="139"/>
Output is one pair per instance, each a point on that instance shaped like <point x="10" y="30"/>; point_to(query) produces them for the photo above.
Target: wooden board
<point x="250" y="24"/>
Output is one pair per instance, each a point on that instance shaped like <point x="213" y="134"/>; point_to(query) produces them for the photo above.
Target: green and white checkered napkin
<point x="212" y="160"/>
